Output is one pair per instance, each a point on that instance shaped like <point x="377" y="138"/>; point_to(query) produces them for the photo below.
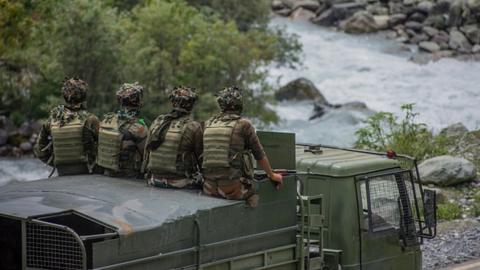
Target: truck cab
<point x="373" y="212"/>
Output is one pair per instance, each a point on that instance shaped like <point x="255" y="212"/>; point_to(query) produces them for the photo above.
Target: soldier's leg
<point x="238" y="190"/>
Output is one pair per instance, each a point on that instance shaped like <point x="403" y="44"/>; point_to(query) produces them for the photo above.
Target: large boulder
<point x="459" y="42"/>
<point x="462" y="142"/>
<point x="382" y="21"/>
<point x="277" y="5"/>
<point x="472" y="32"/>
<point x="306" y="4"/>
<point x="454" y="131"/>
<point x="337" y="13"/>
<point x="299" y="90"/>
<point x="361" y="22"/>
<point x="447" y="171"/>
<point x="302" y="14"/>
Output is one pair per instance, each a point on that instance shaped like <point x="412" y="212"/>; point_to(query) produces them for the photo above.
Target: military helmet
<point x="183" y="97"/>
<point x="230" y="99"/>
<point x="74" y="90"/>
<point x="130" y="95"/>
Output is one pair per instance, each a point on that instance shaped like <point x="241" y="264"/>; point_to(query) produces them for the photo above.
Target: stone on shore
<point x="382" y="21"/>
<point x="302" y="14"/>
<point x="429" y="46"/>
<point x="472" y="32"/>
<point x="360" y="22"/>
<point x="396" y="19"/>
<point x="459" y="42"/>
<point x="306" y="4"/>
<point x="299" y="90"/>
<point x="447" y="171"/>
<point x="413" y="25"/>
<point x="337" y="13"/>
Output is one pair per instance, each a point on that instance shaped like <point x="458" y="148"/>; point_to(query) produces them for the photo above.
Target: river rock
<point x="3" y="137"/>
<point x="415" y="26"/>
<point x="307" y="4"/>
<point x="289" y="3"/>
<point x="418" y="38"/>
<point x="396" y="19"/>
<point x="302" y="14"/>
<point x="417" y="17"/>
<point x="6" y="124"/>
<point x="441" y="37"/>
<point x="472" y="32"/>
<point x="456" y="13"/>
<point x="337" y="13"/>
<point x="447" y="170"/>
<point x="436" y="21"/>
<point x="382" y="21"/>
<point x="430" y="31"/>
<point x="461" y="142"/>
<point x="424" y="7"/>
<point x="440" y="8"/>
<point x="300" y="89"/>
<point x="476" y="49"/>
<point x="474" y="6"/>
<point x="284" y="12"/>
<point x="360" y="22"/>
<point x="459" y="42"/>
<point x="26" y="147"/>
<point x="277" y="5"/>
<point x="429" y="46"/>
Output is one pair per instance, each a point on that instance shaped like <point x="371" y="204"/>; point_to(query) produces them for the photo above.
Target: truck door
<point x="388" y="215"/>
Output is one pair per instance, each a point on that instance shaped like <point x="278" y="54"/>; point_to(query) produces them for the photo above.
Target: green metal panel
<point x="332" y="172"/>
<point x="213" y="235"/>
<point x="340" y="163"/>
<point x="280" y="148"/>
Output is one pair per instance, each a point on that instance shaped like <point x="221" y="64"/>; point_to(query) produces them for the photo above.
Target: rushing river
<point x="374" y="70"/>
<point x="346" y="68"/>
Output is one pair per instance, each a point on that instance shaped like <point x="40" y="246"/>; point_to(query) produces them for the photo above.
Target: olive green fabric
<point x="110" y="141"/>
<point x="216" y="143"/>
<point x="67" y="141"/>
<point x="166" y="158"/>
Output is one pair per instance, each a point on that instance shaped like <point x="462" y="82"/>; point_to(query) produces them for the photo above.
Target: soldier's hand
<point x="277" y="180"/>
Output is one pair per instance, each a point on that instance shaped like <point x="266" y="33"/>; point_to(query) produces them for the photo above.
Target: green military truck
<point x="338" y="209"/>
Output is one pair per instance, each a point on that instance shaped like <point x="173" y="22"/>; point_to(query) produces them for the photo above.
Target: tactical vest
<point x="216" y="144"/>
<point x="167" y="157"/>
<point x="109" y="143"/>
<point x="68" y="141"/>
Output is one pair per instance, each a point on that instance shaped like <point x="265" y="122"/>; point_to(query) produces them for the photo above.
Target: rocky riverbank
<point x="436" y="29"/>
<point x="16" y="141"/>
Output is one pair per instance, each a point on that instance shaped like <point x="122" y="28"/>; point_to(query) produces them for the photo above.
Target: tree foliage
<point x="384" y="131"/>
<point x="158" y="43"/>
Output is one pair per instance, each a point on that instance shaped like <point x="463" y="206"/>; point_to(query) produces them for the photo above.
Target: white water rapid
<point x="374" y="70"/>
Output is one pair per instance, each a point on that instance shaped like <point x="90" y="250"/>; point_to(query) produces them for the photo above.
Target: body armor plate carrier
<point x="68" y="141"/>
<point x="109" y="143"/>
<point x="216" y="143"/>
<point x="167" y="157"/>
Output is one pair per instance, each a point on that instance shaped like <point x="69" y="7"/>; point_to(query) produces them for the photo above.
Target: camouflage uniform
<point x="122" y="135"/>
<point x="68" y="139"/>
<point x="230" y="177"/>
<point x="175" y="144"/>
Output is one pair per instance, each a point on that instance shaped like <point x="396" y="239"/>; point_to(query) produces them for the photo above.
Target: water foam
<point x="376" y="71"/>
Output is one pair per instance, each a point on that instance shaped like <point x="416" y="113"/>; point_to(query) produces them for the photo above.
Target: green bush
<point x="449" y="211"/>
<point x="384" y="131"/>
<point x="475" y="210"/>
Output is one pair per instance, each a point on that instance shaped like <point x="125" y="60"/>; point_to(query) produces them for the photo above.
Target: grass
<point x="449" y="211"/>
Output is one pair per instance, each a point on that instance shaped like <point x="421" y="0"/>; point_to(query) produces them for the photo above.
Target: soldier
<point x="123" y="134"/>
<point x="68" y="139"/>
<point x="229" y="141"/>
<point x="175" y="144"/>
